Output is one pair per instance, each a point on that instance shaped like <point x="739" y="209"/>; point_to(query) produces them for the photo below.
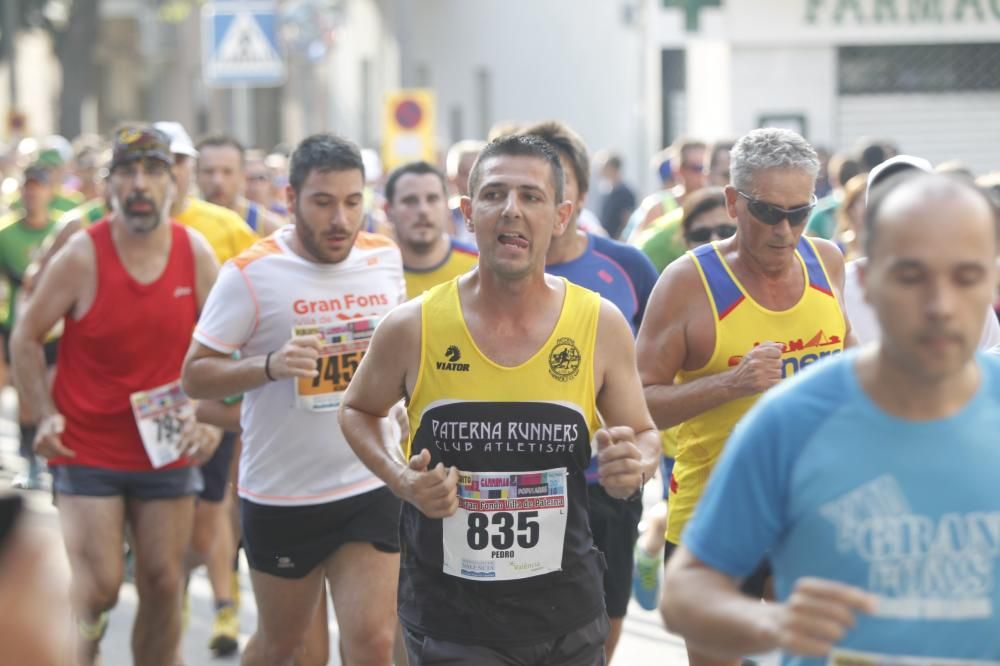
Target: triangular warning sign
<point x="246" y="44"/>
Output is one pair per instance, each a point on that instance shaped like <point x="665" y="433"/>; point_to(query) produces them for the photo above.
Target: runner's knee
<point x="205" y="532"/>
<point x="286" y="644"/>
<point x="161" y="580"/>
<point x="373" y="640"/>
<point x="97" y="591"/>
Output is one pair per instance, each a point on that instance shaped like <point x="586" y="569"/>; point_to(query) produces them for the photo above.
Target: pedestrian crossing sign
<point x="240" y="44"/>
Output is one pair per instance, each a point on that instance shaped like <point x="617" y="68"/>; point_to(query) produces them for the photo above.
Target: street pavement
<point x="644" y="641"/>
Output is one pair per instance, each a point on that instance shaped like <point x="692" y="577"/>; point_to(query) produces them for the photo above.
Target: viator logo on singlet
<point x="453" y="354"/>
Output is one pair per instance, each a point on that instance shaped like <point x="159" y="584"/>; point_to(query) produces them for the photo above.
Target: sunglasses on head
<point x="771" y="214"/>
<point x="704" y="234"/>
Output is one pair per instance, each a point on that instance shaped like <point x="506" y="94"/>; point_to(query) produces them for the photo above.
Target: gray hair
<point x="770" y="148"/>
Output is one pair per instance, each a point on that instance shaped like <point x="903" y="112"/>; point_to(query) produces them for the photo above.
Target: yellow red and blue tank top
<point x="811" y="329"/>
<point x="461" y="259"/>
<point x="520" y="438"/>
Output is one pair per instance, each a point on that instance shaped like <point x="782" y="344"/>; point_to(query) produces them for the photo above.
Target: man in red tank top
<point x="116" y="429"/>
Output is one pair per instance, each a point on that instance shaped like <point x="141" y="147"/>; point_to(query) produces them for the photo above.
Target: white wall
<point x="574" y="61"/>
<point x="792" y="80"/>
<point x="365" y="35"/>
<point x="710" y="93"/>
<point x="942" y="127"/>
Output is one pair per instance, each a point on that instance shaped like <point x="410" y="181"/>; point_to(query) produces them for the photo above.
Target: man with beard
<point x="116" y="428"/>
<point x="300" y="308"/>
<point x="417" y="207"/>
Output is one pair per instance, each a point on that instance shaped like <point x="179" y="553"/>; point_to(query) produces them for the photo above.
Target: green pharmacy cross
<point x="692" y="9"/>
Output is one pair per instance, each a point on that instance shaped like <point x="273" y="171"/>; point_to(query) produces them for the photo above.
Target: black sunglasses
<point x="704" y="234"/>
<point x="771" y="214"/>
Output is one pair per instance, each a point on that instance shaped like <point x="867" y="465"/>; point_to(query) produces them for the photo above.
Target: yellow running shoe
<point x="93" y="633"/>
<point x="225" y="631"/>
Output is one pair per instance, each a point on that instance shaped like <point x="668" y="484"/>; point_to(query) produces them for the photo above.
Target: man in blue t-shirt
<point x="625" y="276"/>
<point x="871" y="481"/>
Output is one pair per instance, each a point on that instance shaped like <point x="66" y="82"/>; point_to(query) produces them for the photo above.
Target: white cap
<point x="895" y="165"/>
<point x="180" y="142"/>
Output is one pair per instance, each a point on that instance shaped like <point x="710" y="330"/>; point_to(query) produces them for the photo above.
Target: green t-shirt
<point x="823" y="221"/>
<point x="18" y="243"/>
<point x="63" y="201"/>
<point x="88" y="212"/>
<point x="662" y="241"/>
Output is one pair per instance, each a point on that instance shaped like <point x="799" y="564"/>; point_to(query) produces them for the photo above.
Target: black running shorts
<point x="290" y="541"/>
<point x="615" y="525"/>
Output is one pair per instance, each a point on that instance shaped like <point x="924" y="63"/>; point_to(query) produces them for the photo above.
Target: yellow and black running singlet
<point x="516" y="564"/>
<point x="808" y="331"/>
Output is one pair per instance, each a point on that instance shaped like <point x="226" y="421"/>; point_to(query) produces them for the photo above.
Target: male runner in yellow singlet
<point x="732" y="318"/>
<point x="504" y="370"/>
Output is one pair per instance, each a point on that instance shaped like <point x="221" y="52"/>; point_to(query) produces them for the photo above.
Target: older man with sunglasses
<point x="734" y="317"/>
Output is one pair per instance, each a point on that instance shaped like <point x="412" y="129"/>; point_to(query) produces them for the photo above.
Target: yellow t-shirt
<point x="224" y="230"/>
<point x="460" y="260"/>
<point x="810" y="330"/>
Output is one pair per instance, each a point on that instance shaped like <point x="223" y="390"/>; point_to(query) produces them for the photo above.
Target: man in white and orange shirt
<point x="300" y="308"/>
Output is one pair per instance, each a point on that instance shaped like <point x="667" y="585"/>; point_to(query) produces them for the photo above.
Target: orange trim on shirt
<point x="370" y="241"/>
<point x="258" y="250"/>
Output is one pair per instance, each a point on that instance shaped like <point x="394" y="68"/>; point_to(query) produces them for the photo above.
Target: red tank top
<point x="133" y="338"/>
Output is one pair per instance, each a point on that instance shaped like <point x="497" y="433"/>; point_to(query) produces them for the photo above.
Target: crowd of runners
<point x="435" y="396"/>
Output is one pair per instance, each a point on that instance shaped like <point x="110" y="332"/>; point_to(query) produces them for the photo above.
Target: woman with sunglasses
<point x="706" y="218"/>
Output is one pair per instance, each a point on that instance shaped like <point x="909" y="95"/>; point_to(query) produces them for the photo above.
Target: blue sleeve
<point x="742" y="512"/>
<point x="644" y="276"/>
<point x="640" y="270"/>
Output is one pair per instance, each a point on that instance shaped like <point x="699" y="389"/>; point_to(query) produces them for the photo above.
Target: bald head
<point x="912" y="194"/>
<point x="931" y="271"/>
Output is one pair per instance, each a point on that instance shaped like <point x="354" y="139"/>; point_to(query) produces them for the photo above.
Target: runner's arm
<point x="68" y="275"/>
<point x="210" y="374"/>
<point x="662" y="349"/>
<point x="706" y="607"/>
<point x="386" y="374"/>
<point x="227" y="321"/>
<point x="833" y="260"/>
<point x="50" y="247"/>
<point x="219" y="413"/>
<point x="206" y="267"/>
<point x="619" y="396"/>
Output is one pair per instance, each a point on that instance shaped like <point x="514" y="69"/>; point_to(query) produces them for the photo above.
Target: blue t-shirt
<point x="618" y="272"/>
<point x="824" y="483"/>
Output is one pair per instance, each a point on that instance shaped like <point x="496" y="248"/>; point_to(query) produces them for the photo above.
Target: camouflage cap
<point x="137" y="142"/>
